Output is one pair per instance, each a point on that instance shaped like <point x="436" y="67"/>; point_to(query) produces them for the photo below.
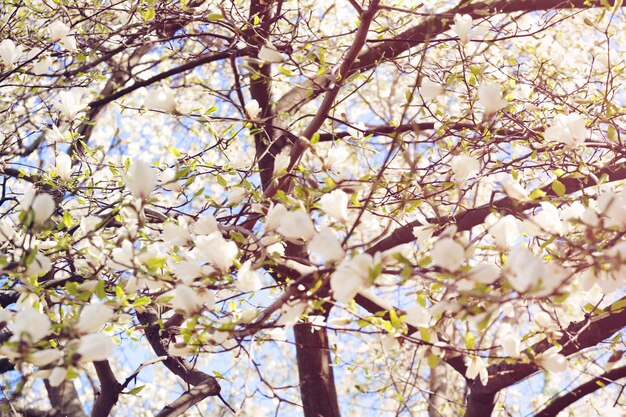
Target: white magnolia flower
<point x="462" y="26"/>
<point x="236" y="195"/>
<point x="58" y="30"/>
<point x="484" y="273"/>
<point x="324" y="247"/>
<point x="448" y="254"/>
<point x="206" y="225"/>
<point x="424" y="233"/>
<point x="417" y="316"/>
<point x="569" y="129"/>
<point x="95" y="347"/>
<point x="269" y="53"/>
<point x="160" y="99"/>
<point x="123" y="257"/>
<point x="476" y="366"/>
<point x="142" y="180"/>
<point x="93" y="317"/>
<point x="464" y="167"/>
<point x="188" y="300"/>
<point x="505" y="230"/>
<point x="69" y="43"/>
<point x="543" y="320"/>
<point x="514" y="190"/>
<point x="335" y="204"/>
<point x="490" y="97"/>
<point x="40" y="265"/>
<point x="187" y="271"/>
<point x="69" y="104"/>
<point x="43" y="207"/>
<point x="9" y="52"/>
<point x="547" y="220"/>
<point x="7" y="230"/>
<point x="290" y="314"/>
<point x="64" y="166"/>
<point x="248" y="280"/>
<point x="430" y="90"/>
<point x="512" y="345"/>
<point x="42" y="66"/>
<point x="176" y="234"/>
<point x="44" y="357"/>
<point x="57" y="376"/>
<point x="552" y="361"/>
<point x="55" y="135"/>
<point x="296" y="225"/>
<point x="253" y="109"/>
<point x="215" y="250"/>
<point x="281" y="162"/>
<point x="524" y="269"/>
<point x="274" y="216"/>
<point x="352" y="276"/>
<point x="29" y="325"/>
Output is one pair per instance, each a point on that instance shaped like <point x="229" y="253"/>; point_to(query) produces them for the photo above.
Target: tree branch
<point x="64" y="399"/>
<point x="561" y="403"/>
<point x="189" y="399"/>
<point x="158" y="339"/>
<point x="429" y="28"/>
<point x="467" y="219"/>
<point x="329" y="99"/>
<point x="317" y="382"/>
<point x="110" y="390"/>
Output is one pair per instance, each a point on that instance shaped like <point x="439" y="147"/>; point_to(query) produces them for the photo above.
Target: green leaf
<point x="136" y="390"/>
<point x="559" y="188"/>
<point x="155" y="263"/>
<point x="537" y="194"/>
<point x="100" y="290"/>
<point x="470" y="340"/>
<point x="172" y="150"/>
<point x="148" y="15"/>
<point x="141" y="301"/>
<point x="67" y="219"/>
<point x="285" y="71"/>
<point x="433" y="361"/>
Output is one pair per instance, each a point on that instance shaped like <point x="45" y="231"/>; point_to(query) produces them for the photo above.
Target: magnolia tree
<point x="268" y="207"/>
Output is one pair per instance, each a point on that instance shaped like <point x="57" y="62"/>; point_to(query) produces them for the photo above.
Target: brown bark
<point x="564" y="401"/>
<point x="438" y="385"/>
<point x="64" y="400"/>
<point x="158" y="338"/>
<point x="110" y="390"/>
<point x="317" y="382"/>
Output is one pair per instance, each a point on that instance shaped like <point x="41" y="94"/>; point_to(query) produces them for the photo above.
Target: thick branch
<point x="109" y="390"/>
<point x="205" y="59"/>
<point x="429" y="28"/>
<point x="158" y="339"/>
<point x="317" y="382"/>
<point x="473" y="217"/>
<point x="64" y="400"/>
<point x="561" y="403"/>
<point x="578" y="336"/>
<point x="438" y="385"/>
<point x="267" y="146"/>
<point x="188" y="399"/>
<point x="329" y="99"/>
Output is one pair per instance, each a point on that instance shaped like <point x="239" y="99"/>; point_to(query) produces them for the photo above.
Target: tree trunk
<point x="480" y="405"/>
<point x="437" y="400"/>
<point x="317" y="382"/>
<point x="64" y="399"/>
